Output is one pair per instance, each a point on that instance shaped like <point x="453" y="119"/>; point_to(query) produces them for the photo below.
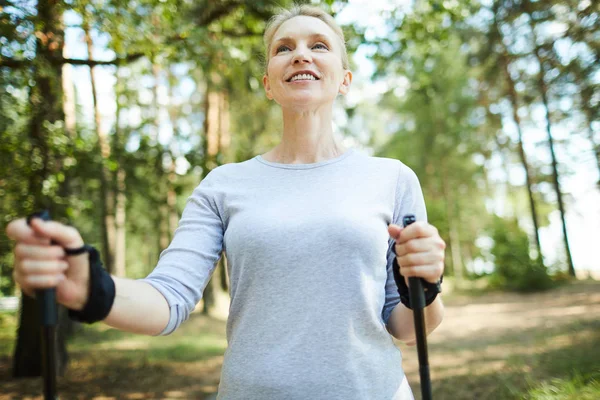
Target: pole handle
<point x="48" y="312"/>
<point x="417" y="302"/>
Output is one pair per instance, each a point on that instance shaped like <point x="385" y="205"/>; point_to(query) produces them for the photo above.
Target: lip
<point x="302" y="72"/>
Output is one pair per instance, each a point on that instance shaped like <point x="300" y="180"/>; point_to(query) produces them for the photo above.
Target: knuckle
<point x="24" y="265"/>
<point x="73" y="232"/>
<point x="418" y="227"/>
<point x="20" y="249"/>
<point x="58" y="251"/>
<point x="400" y="250"/>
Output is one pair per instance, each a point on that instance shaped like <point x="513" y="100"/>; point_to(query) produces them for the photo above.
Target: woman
<point x="310" y="230"/>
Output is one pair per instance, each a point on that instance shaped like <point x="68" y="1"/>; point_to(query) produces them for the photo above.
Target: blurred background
<point x="111" y="112"/>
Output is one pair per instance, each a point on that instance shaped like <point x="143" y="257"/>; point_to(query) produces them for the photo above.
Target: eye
<point x="320" y="46"/>
<point x="281" y="48"/>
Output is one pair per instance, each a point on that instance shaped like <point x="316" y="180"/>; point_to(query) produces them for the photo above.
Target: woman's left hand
<point x="419" y="250"/>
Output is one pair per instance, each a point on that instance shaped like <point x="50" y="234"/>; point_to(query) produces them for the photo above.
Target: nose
<point x="301" y="55"/>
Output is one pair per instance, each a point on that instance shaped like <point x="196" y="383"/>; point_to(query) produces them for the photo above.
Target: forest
<point x="112" y="112"/>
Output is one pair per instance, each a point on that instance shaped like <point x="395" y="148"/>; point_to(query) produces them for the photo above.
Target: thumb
<point x="394" y="230"/>
<point x="64" y="235"/>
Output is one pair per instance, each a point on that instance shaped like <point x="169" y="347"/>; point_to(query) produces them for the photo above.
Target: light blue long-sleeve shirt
<point x="309" y="259"/>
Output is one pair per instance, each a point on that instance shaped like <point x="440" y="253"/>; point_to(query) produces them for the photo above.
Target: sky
<point x="582" y="201"/>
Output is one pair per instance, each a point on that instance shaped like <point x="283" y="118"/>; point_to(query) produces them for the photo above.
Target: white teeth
<point x="305" y="77"/>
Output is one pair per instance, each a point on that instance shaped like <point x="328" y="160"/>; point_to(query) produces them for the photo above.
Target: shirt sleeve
<point x="186" y="265"/>
<point x="408" y="200"/>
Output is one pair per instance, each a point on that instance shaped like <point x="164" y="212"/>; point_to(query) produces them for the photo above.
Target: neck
<point x="307" y="137"/>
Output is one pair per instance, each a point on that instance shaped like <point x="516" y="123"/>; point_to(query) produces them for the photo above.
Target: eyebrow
<point x="313" y="36"/>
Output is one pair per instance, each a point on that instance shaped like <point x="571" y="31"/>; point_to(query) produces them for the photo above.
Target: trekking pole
<point x="48" y="310"/>
<point x="417" y="301"/>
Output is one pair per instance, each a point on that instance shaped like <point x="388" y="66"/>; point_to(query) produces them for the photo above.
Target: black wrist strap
<point x="75" y="252"/>
<point x="102" y="289"/>
<point x="431" y="289"/>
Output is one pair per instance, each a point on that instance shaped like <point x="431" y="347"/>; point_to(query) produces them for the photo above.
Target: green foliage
<point x="8" y="327"/>
<point x="515" y="270"/>
<point x="577" y="388"/>
<point x="439" y="136"/>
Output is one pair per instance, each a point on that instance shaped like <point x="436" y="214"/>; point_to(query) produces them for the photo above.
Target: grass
<point x="8" y="326"/>
<point x="526" y="365"/>
<point x="496" y="346"/>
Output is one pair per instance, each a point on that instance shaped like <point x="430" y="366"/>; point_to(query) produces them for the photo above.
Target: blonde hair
<point x="307" y="11"/>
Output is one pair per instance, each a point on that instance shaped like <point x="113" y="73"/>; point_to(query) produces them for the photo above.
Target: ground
<point x="490" y="346"/>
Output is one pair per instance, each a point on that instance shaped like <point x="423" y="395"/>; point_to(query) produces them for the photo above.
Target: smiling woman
<point x="307" y="68"/>
<point x="312" y="235"/>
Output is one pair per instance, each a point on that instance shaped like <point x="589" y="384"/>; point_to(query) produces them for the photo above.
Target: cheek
<point x="274" y="72"/>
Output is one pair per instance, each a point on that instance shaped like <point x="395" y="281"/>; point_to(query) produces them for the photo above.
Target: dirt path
<point x="501" y="334"/>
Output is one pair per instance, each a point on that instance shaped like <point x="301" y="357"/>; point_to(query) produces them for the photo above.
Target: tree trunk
<point x="46" y="100"/>
<point x="69" y="106"/>
<point x="173" y="215"/>
<point x="120" y="223"/>
<point x="561" y="207"/>
<point x="586" y="104"/>
<point x="107" y="196"/>
<point x="544" y="94"/>
<point x="121" y="201"/>
<point x="453" y="223"/>
<point x="224" y="278"/>
<point x="512" y="94"/>
<point x="217" y="138"/>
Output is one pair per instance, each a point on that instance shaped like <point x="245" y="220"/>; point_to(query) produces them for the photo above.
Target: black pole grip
<point x="46" y="298"/>
<point x="417" y="302"/>
<point x="48" y="311"/>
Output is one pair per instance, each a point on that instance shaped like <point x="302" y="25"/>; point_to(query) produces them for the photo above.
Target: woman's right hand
<point x="41" y="265"/>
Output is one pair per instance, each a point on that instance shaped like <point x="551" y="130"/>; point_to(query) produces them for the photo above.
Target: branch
<point x="12" y="63"/>
<point x="206" y="18"/>
<point x="92" y="63"/>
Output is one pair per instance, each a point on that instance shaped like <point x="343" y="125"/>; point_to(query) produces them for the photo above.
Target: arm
<point x="155" y="305"/>
<point x="138" y="307"/>
<point x="419" y="251"/>
<point x="401" y="322"/>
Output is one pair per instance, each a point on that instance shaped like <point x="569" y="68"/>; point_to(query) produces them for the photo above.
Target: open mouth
<point x="303" y="76"/>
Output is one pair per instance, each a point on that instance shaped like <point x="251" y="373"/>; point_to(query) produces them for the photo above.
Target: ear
<point x="267" y="87"/>
<point x="345" y="85"/>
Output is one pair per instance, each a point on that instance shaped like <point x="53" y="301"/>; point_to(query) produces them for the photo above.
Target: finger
<point x="394" y="230"/>
<point x="35" y="252"/>
<point x="417" y="230"/>
<point x="415" y="246"/>
<point x="29" y="284"/>
<point x="415" y="259"/>
<point x="64" y="235"/>
<point x="43" y="267"/>
<point x="431" y="273"/>
<point x="44" y="281"/>
<point x="20" y="231"/>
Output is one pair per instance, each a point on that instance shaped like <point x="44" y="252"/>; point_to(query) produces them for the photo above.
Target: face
<point x="305" y="65"/>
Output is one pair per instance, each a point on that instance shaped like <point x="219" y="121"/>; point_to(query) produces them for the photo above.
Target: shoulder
<point x="226" y="174"/>
<point x="403" y="172"/>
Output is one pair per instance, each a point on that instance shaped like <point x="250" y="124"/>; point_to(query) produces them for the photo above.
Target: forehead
<point x="302" y="27"/>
